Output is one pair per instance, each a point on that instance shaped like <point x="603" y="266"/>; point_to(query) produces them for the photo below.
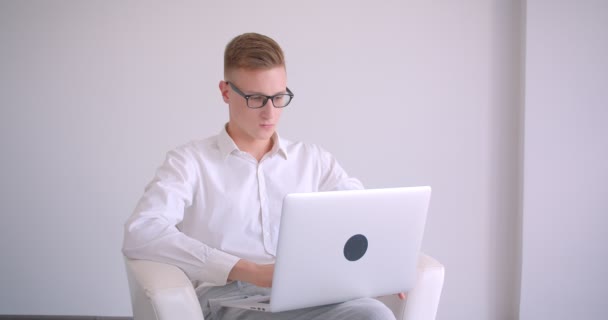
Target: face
<point x="247" y="125"/>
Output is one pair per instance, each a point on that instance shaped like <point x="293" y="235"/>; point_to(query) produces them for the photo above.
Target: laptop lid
<point x="342" y="245"/>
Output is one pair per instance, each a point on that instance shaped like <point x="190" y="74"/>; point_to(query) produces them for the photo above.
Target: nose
<point x="268" y="110"/>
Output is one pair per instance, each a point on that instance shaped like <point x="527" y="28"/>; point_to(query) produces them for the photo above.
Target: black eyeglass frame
<point x="266" y="98"/>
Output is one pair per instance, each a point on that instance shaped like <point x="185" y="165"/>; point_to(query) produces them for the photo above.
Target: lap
<point x="210" y="299"/>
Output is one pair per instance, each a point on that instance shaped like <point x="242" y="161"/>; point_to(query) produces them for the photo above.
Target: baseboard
<point x="26" y="317"/>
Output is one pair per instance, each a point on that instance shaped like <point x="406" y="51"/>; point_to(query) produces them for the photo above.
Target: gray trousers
<point x="360" y="309"/>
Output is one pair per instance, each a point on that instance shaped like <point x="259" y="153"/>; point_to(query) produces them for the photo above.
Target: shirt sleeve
<point x="151" y="233"/>
<point x="333" y="176"/>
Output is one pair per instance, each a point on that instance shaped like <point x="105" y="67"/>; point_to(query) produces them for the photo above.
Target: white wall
<point x="93" y="93"/>
<point x="565" y="256"/>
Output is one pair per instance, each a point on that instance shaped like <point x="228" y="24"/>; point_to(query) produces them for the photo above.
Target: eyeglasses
<point x="256" y="101"/>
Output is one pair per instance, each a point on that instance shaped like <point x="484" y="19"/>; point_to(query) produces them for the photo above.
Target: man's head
<point x="252" y="51"/>
<point x="254" y="64"/>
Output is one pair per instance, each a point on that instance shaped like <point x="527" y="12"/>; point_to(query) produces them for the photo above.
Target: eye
<point x="256" y="99"/>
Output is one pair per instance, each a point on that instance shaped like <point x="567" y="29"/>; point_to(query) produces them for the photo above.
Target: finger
<point x="402" y="295"/>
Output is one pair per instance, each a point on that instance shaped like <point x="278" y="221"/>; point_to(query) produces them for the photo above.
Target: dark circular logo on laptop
<point x="355" y="247"/>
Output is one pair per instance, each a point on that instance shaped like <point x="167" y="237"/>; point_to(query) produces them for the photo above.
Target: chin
<point x="264" y="135"/>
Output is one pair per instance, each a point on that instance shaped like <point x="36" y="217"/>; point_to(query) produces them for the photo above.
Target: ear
<point x="224" y="90"/>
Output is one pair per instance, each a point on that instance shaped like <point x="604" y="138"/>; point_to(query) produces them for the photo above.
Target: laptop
<point x="342" y="245"/>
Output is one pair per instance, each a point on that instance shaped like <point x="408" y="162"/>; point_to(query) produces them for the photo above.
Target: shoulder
<point x="195" y="149"/>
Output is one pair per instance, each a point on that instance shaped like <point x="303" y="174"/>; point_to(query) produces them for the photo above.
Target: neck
<point x="256" y="148"/>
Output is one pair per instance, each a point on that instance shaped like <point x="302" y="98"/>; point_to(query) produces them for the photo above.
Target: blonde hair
<point x="252" y="51"/>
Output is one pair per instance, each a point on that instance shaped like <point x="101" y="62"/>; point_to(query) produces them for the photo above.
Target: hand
<point x="263" y="275"/>
<point x="402" y="295"/>
<point x="256" y="274"/>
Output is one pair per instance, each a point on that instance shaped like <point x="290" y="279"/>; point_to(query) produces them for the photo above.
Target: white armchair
<point x="163" y="292"/>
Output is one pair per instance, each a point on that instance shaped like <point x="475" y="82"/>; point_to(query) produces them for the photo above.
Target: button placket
<point x="264" y="209"/>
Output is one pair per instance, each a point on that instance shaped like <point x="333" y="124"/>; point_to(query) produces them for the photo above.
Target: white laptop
<point x="342" y="245"/>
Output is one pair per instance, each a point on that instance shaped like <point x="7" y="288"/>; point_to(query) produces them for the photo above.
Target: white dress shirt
<point x="211" y="204"/>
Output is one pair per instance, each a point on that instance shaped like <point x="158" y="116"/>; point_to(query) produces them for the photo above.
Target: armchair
<point x="163" y="292"/>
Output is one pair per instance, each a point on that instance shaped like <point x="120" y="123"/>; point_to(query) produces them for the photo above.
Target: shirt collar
<point x="227" y="145"/>
<point x="278" y="145"/>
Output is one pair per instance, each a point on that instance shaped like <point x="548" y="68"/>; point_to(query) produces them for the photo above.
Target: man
<point x="214" y="206"/>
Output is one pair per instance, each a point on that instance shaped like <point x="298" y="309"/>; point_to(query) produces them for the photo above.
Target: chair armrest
<point x="423" y="300"/>
<point x="161" y="291"/>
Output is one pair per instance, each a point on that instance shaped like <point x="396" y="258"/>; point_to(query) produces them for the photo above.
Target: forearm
<point x="153" y="240"/>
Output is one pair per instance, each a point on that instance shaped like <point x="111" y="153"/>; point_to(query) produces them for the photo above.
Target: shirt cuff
<point x="218" y="267"/>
